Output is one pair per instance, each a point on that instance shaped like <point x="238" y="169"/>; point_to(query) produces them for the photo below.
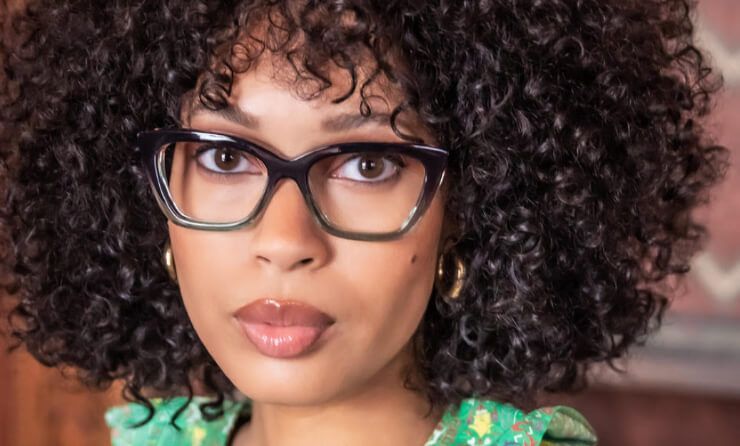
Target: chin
<point x="289" y="382"/>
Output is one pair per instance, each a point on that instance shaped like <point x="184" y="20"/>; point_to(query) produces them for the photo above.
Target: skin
<point x="350" y="390"/>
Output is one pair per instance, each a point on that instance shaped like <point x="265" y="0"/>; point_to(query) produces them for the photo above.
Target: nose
<point x="286" y="237"/>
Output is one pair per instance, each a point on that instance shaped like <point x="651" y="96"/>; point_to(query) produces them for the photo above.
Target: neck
<point x="382" y="412"/>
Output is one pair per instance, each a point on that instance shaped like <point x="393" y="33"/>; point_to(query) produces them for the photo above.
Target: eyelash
<point x="396" y="160"/>
<point x="203" y="149"/>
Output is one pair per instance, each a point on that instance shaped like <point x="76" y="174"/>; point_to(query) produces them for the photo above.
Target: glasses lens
<point x="367" y="192"/>
<point x="361" y="192"/>
<point x="213" y="182"/>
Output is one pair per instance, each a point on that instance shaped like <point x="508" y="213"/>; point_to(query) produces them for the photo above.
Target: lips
<point x="282" y="328"/>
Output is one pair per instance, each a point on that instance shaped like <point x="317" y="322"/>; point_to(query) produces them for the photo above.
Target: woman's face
<point x="376" y="292"/>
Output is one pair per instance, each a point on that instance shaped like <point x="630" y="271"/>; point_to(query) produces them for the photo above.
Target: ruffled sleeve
<point x="492" y="423"/>
<point x="194" y="430"/>
<point x="550" y="426"/>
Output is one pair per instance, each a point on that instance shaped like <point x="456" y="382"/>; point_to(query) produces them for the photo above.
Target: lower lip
<point x="282" y="341"/>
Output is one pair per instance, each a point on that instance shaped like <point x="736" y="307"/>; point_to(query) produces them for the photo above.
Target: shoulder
<point x="192" y="428"/>
<point x="488" y="422"/>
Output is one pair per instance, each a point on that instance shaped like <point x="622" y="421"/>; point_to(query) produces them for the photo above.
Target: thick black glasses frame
<point x="151" y="144"/>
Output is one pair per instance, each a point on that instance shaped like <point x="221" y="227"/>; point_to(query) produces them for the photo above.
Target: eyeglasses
<point x="358" y="190"/>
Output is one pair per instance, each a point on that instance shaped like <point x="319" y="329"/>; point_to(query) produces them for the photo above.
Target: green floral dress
<point x="475" y="422"/>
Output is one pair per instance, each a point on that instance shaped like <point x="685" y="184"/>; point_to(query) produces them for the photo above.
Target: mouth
<point x="283" y="328"/>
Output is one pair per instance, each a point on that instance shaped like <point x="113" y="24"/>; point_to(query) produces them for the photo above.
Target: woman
<point x="349" y="222"/>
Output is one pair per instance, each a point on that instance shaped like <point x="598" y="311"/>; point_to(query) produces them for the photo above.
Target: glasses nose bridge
<point x="279" y="168"/>
<point x="297" y="170"/>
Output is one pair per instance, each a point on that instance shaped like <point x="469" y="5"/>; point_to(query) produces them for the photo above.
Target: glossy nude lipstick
<point x="282" y="328"/>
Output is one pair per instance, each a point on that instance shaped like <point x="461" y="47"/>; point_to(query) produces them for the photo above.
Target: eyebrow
<point x="337" y="123"/>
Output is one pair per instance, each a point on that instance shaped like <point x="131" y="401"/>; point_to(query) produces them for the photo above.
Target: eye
<point x="369" y="168"/>
<point x="226" y="160"/>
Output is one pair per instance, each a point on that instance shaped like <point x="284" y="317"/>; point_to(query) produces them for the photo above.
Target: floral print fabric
<point x="491" y="423"/>
<point x="194" y="429"/>
<point x="475" y="422"/>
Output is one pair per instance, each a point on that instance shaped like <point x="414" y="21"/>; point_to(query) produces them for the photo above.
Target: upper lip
<point x="283" y="312"/>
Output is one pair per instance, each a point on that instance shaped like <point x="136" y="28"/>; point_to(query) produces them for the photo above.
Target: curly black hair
<point x="577" y="155"/>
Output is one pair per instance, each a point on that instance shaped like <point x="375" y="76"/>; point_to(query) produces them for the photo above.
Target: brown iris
<point x="226" y="159"/>
<point x="371" y="167"/>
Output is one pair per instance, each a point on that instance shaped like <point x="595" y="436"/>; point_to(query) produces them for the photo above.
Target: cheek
<point x="201" y="270"/>
<point x="397" y="291"/>
<point x="407" y="299"/>
<point x="394" y="282"/>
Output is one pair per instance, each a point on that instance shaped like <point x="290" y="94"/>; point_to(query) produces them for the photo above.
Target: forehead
<point x="273" y="91"/>
<point x="305" y="76"/>
<point x="273" y="85"/>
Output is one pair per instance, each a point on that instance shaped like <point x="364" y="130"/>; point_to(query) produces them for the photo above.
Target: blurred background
<point x="682" y="388"/>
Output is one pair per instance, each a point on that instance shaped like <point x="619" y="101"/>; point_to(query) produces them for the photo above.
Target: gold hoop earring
<point x="169" y="261"/>
<point x="454" y="292"/>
